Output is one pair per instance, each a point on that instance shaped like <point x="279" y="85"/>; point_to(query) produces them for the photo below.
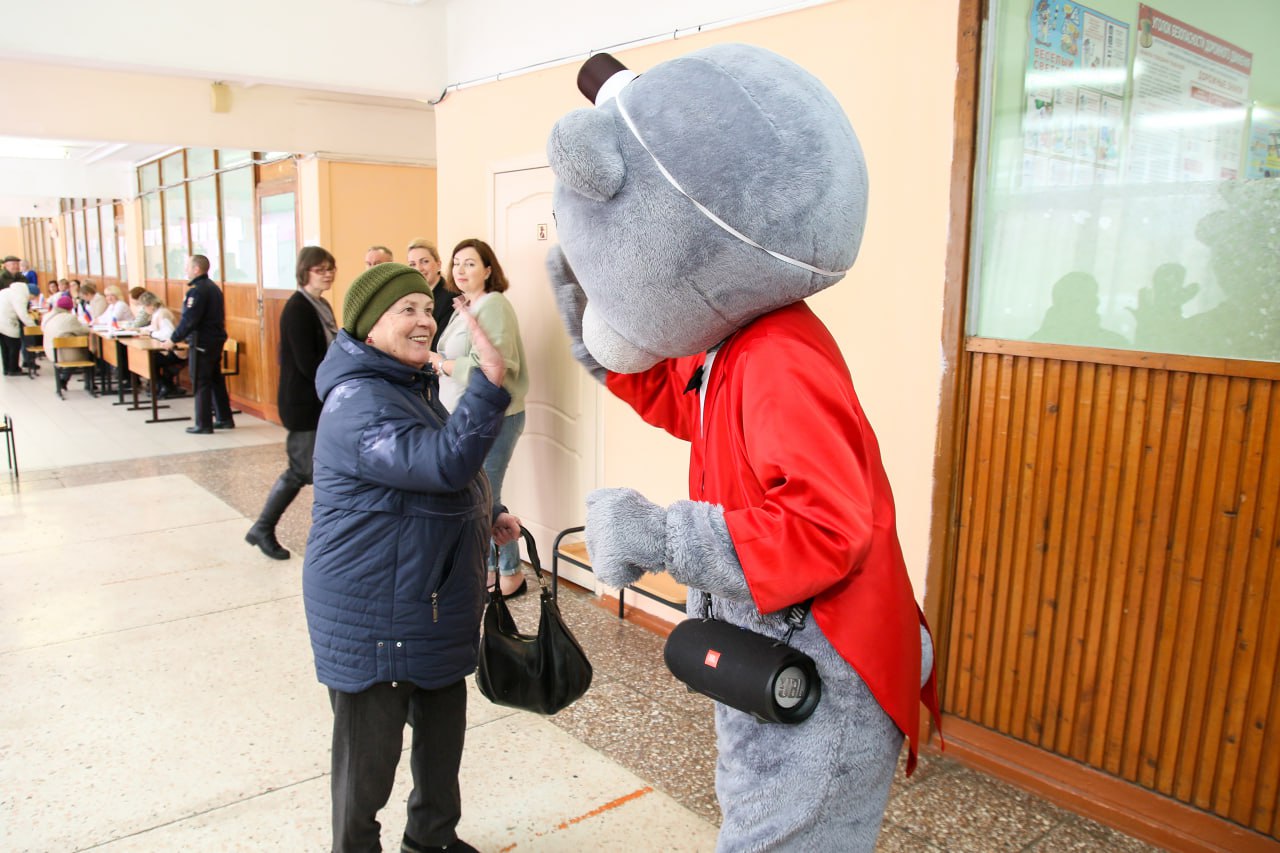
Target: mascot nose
<point x="601" y="76"/>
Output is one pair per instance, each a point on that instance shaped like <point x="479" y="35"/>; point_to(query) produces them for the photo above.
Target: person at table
<point x="33" y="280"/>
<point x="161" y="328"/>
<point x="393" y="582"/>
<point x="117" y="310"/>
<point x="141" y="316"/>
<point x="307" y="327"/>
<point x="63" y="322"/>
<point x="48" y="297"/>
<point x="94" y="302"/>
<point x="204" y="320"/>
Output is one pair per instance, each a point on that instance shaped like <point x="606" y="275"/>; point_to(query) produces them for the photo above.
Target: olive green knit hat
<point x="374" y="291"/>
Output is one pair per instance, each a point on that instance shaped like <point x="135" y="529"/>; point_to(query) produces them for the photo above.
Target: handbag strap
<point x="532" y="547"/>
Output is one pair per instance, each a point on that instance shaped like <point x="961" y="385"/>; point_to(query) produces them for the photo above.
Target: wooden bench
<point x="660" y="587"/>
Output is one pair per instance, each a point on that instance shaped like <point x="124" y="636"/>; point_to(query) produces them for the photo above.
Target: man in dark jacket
<point x="307" y="327"/>
<point x="204" y="319"/>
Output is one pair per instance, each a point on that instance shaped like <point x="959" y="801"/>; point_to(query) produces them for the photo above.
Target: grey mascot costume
<point x="698" y="205"/>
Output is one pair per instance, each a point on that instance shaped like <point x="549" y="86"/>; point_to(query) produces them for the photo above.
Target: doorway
<point x="555" y="463"/>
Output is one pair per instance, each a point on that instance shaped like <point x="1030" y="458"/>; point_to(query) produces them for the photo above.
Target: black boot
<point x="263" y="532"/>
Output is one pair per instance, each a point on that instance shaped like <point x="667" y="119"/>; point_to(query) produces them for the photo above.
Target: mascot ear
<point x="584" y="154"/>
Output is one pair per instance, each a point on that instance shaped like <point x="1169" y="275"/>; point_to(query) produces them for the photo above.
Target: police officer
<point x="204" y="320"/>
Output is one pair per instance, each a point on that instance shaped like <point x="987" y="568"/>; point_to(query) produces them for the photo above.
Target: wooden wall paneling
<point x="1203" y="597"/>
<point x="1083" y="532"/>
<point x="1092" y="607"/>
<point x="1069" y="474"/>
<point x="1181" y="604"/>
<point x="1128" y="573"/>
<point x="985" y="667"/>
<point x="1152" y="531"/>
<point x="1177" y="436"/>
<point x="272" y="305"/>
<point x="1011" y="555"/>
<point x="957" y="674"/>
<point x="1036" y="626"/>
<point x="1223" y="603"/>
<point x="243" y="325"/>
<point x="1118" y="541"/>
<point x="1100" y="627"/>
<point x="1250" y="796"/>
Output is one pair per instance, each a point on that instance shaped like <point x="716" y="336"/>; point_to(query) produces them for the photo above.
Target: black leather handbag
<point x="764" y="677"/>
<point x="544" y="672"/>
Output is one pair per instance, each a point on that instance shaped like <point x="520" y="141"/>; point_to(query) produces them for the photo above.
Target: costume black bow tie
<point x="695" y="381"/>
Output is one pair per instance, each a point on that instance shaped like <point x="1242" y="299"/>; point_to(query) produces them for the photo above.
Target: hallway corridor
<point x="159" y="692"/>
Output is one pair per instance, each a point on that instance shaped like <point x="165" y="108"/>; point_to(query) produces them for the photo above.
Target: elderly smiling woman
<point x="394" y="575"/>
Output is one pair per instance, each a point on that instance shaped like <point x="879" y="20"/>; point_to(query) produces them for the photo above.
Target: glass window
<point x="152" y="237"/>
<point x="148" y="177"/>
<point x="239" y="248"/>
<point x="93" y="238"/>
<point x="82" y="251"/>
<point x="199" y="163"/>
<point x="122" y="254"/>
<point x="204" y="223"/>
<point x="228" y="158"/>
<point x="107" y="214"/>
<point x="1130" y="185"/>
<point x="279" y="241"/>
<point x="172" y="170"/>
<point x="175" y="232"/>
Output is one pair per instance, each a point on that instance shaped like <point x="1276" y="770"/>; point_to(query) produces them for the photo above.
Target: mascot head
<point x="695" y="197"/>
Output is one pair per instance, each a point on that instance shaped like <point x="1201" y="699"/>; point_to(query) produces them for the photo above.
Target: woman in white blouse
<point x="161" y="328"/>
<point x="117" y="309"/>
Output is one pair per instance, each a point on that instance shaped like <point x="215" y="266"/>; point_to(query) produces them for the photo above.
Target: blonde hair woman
<point x="424" y="258"/>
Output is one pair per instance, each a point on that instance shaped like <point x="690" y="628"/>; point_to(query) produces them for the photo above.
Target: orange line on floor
<point x="612" y="804"/>
<point x="609" y="806"/>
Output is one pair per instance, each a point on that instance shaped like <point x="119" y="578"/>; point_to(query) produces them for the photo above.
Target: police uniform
<point x="204" y="320"/>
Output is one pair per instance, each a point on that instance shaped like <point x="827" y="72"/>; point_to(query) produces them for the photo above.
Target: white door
<point x="555" y="460"/>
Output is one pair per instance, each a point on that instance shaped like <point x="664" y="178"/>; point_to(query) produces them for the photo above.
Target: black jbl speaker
<point x="751" y="672"/>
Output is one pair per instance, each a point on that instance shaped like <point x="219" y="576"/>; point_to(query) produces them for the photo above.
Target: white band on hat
<point x="614" y="93"/>
<point x="614" y="85"/>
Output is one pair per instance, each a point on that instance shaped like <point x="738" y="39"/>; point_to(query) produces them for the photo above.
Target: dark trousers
<point x="368" y="732"/>
<point x="211" y="400"/>
<point x="11" y="353"/>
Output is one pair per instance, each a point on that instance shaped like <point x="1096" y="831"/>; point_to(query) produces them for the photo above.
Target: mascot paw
<point x="571" y="302"/>
<point x="626" y="535"/>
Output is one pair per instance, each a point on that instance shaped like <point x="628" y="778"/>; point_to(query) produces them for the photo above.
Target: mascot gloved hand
<point x="698" y="205"/>
<point x="628" y="535"/>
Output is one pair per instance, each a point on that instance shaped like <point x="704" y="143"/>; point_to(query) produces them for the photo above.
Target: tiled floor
<point x="159" y="693"/>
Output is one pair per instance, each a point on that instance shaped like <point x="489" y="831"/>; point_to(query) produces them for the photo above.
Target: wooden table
<point x="140" y="356"/>
<point x="110" y="349"/>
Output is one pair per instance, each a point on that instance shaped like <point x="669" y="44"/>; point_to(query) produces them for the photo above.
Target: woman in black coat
<point x="307" y="327"/>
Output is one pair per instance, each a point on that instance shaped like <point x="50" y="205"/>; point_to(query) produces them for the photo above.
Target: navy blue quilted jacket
<point x="393" y="581"/>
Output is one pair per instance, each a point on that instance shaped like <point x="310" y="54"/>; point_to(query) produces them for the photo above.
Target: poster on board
<point x="1189" y="106"/>
<point x="1263" y="159"/>
<point x="1077" y="66"/>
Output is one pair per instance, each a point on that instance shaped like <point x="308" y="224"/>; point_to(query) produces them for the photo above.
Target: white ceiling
<point x="385" y="51"/>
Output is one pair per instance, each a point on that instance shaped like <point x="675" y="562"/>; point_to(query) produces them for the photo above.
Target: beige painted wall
<point x="66" y="102"/>
<point x="11" y="241"/>
<point x="893" y="67"/>
<point x="361" y="204"/>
